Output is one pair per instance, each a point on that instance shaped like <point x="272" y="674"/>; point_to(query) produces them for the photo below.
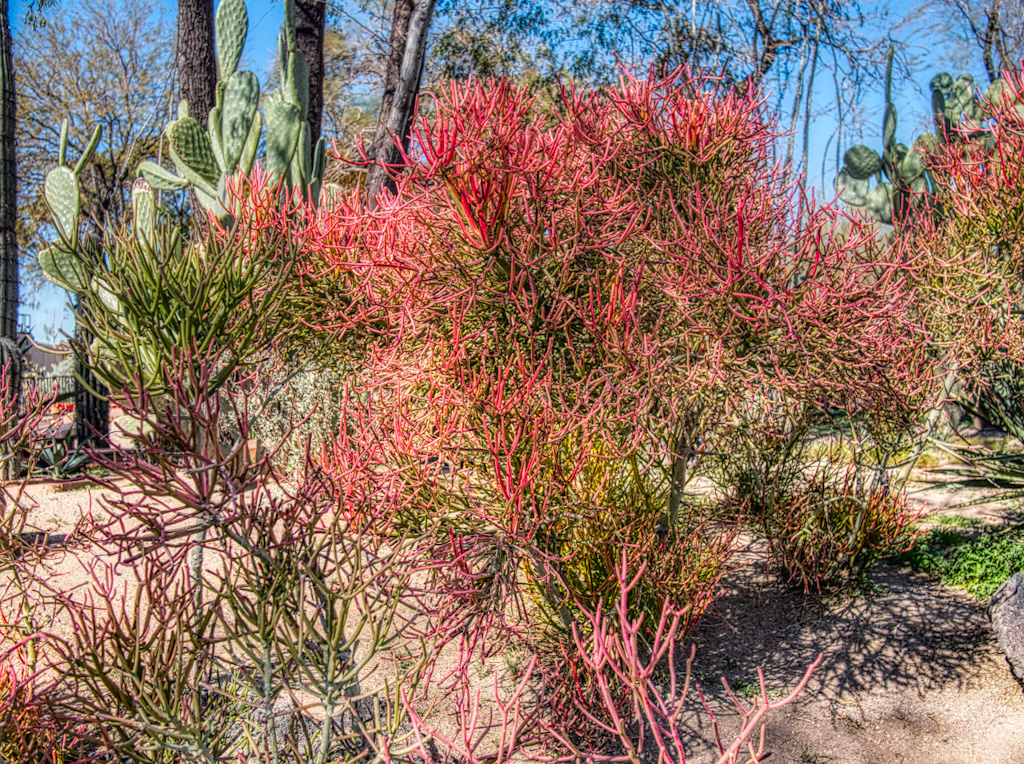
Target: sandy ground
<point x="912" y="671"/>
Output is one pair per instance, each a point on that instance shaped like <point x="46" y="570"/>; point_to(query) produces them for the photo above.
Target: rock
<point x="1007" y="611"/>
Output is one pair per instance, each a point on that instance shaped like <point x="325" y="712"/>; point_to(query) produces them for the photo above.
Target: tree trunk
<point x="406" y="51"/>
<point x="8" y="180"/>
<point x="197" y="69"/>
<point x="9" y="353"/>
<point x="309" y="32"/>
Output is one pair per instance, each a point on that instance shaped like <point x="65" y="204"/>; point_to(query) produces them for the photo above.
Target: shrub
<point x="536" y="334"/>
<point x="826" y="529"/>
<point x="559" y="310"/>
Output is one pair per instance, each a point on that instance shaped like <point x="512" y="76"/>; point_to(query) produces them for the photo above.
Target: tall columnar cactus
<point x="206" y="158"/>
<point x="905" y="168"/>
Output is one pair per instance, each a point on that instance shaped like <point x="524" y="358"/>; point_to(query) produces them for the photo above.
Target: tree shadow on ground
<point x="889" y="651"/>
<point x="905" y="632"/>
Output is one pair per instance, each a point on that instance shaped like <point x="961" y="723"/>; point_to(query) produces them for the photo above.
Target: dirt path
<point x="912" y="672"/>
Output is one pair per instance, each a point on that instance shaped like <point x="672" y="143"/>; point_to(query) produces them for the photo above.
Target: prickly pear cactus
<point x="206" y="158"/>
<point x="862" y="162"/>
<point x="63" y="197"/>
<point x="907" y="182"/>
<point x="144" y="212"/>
<point x="65" y="262"/>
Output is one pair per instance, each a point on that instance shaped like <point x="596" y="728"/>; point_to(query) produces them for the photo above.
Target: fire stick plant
<point x="541" y="331"/>
<point x="571" y="305"/>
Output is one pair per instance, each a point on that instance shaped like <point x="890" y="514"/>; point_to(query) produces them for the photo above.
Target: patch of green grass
<point x="958" y="521"/>
<point x="979" y="565"/>
<point x="746" y="689"/>
<point x="982" y="567"/>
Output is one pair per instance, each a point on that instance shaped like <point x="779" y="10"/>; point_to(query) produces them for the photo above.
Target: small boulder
<point x="1007" y="611"/>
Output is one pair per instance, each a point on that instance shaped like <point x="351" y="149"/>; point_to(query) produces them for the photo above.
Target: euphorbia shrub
<point x="540" y="329"/>
<point x="551" y="312"/>
<point x="975" y="284"/>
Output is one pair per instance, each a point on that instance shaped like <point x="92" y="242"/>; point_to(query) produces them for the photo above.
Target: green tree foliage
<point x="96" y="64"/>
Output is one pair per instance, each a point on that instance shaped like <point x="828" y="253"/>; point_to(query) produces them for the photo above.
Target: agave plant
<point x="981" y="467"/>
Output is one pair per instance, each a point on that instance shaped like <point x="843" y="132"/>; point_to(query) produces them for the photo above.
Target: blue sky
<point x="51" y="315"/>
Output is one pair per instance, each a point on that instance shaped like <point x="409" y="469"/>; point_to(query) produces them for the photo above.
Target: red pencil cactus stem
<point x="541" y="297"/>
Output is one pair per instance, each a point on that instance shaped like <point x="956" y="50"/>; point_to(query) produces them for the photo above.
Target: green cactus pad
<point x="319" y="159"/>
<point x="62" y="195"/>
<point x="241" y="97"/>
<point x="912" y="166"/>
<point x="974" y="112"/>
<point x="297" y="82"/>
<point x="888" y="74"/>
<point x="207" y="199"/>
<point x="919" y="185"/>
<point x="232" y="25"/>
<point x="60" y="267"/>
<point x="198" y="182"/>
<point x="90" y="148"/>
<point x="283" y="123"/>
<point x="101" y="289"/>
<point x="248" y="157"/>
<point x="192" y="145"/>
<point x="182" y="109"/>
<point x="888" y="167"/>
<point x="851" y="190"/>
<point x="889" y="126"/>
<point x="62" y="149"/>
<point x="333" y="194"/>
<point x="862" y="162"/>
<point x="160" y="178"/>
<point x="216" y="137"/>
<point x="299" y="168"/>
<point x="939" y="114"/>
<point x="926" y="144"/>
<point x="879" y="202"/>
<point x="289" y="25"/>
<point x="942" y="83"/>
<point x="219" y="208"/>
<point x="144" y="210"/>
<point x="994" y="92"/>
<point x="959" y="101"/>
